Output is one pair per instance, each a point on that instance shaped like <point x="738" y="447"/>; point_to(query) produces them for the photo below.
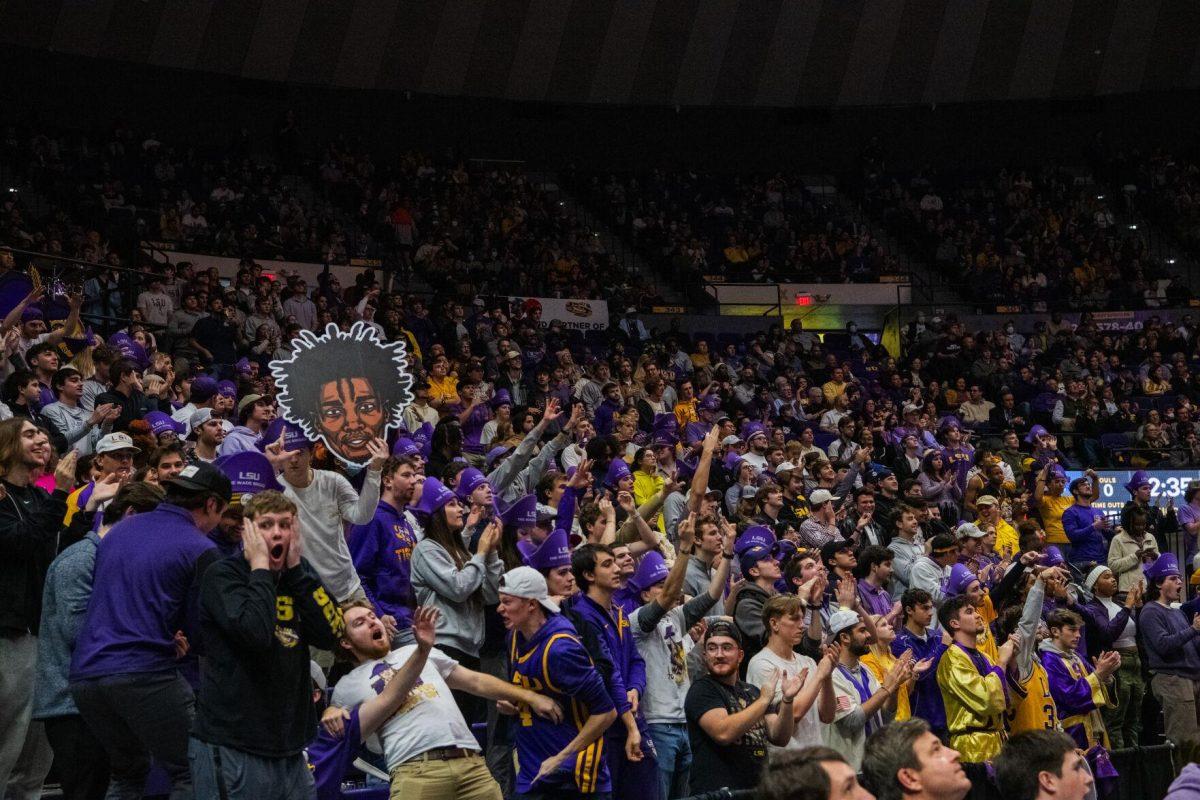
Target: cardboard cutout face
<point x="344" y="389"/>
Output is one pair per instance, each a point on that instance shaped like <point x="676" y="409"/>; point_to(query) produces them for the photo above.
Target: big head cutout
<point x="344" y="388"/>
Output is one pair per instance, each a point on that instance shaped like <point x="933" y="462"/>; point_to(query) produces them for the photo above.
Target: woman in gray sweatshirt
<point x="456" y="582"/>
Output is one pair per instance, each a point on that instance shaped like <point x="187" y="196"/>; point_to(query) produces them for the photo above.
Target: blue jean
<point x="674" y="758"/>
<point x="223" y="773"/>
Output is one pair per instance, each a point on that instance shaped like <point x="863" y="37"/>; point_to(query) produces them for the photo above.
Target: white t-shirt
<point x="755" y="460"/>
<point x="428" y="719"/>
<point x="808" y="728"/>
<point x="848" y="733"/>
<point x="664" y="650"/>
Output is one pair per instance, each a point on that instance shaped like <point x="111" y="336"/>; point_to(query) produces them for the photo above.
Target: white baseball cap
<point x="731" y="439"/>
<point x="969" y="530"/>
<point x="840" y="620"/>
<point x="821" y="496"/>
<point x="527" y="582"/>
<point x="114" y="442"/>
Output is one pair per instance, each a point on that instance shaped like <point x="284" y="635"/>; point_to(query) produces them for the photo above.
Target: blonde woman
<point x="880" y="661"/>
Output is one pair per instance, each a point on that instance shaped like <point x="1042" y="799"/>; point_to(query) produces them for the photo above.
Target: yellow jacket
<point x="975" y="704"/>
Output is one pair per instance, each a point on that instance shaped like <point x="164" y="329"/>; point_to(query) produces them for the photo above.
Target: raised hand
<point x="424" y="626"/>
<point x="379" y="453"/>
<point x="64" y="473"/>
<point x="295" y="549"/>
<point x="1009" y="649"/>
<point x="847" y="593"/>
<point x="625" y="501"/>
<point x="686" y="531"/>
<point x="277" y="455"/>
<point x="575" y="418"/>
<point x="552" y="411"/>
<point x="820" y="584"/>
<point x="698" y="630"/>
<point x="792" y="685"/>
<point x="829" y="660"/>
<point x="583" y="474"/>
<point x="1107" y="664"/>
<point x="105" y="489"/>
<point x="769" y="686"/>
<point x="254" y="546"/>
<point x="896" y="675"/>
<point x="490" y="538"/>
<point x="711" y="439"/>
<point x="473" y="517"/>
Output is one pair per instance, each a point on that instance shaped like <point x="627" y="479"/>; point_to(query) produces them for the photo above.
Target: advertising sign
<point x="580" y="315"/>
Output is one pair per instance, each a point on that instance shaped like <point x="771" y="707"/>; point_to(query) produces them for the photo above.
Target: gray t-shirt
<point x="695" y="584"/>
<point x="664" y="648"/>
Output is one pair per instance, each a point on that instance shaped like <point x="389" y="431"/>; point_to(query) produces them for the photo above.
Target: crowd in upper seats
<point x="1041" y="238"/>
<point x="670" y="557"/>
<point x="464" y="228"/>
<point x="757" y="228"/>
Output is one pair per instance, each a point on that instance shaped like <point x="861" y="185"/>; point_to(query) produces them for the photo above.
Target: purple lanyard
<point x="864" y="694"/>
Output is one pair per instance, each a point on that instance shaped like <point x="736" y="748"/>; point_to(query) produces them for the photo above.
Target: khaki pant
<point x="456" y="779"/>
<point x="1177" y="696"/>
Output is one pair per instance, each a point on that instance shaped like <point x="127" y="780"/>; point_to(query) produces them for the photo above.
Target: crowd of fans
<point x="645" y="564"/>
<point x="1042" y="238"/>
<point x="1166" y="187"/>
<point x="462" y="228"/>
<point x="762" y="229"/>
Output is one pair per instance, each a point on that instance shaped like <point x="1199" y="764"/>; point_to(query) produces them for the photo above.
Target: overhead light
<point x="1133" y="227"/>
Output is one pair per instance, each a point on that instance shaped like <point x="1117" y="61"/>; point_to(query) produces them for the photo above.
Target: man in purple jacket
<point x="634" y="770"/>
<point x="124" y="672"/>
<point x="382" y="549"/>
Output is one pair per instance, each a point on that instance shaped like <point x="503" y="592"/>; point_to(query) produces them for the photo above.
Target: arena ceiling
<point x="766" y="53"/>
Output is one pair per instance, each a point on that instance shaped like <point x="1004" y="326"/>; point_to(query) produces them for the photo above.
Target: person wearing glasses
<point x="730" y="721"/>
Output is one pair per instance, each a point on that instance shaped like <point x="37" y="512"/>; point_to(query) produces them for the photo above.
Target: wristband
<point x="727" y="555"/>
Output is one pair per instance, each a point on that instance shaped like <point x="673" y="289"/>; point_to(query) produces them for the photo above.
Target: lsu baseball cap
<point x="114" y="442"/>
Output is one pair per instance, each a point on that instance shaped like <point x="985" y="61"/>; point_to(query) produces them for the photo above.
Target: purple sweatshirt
<point x="473" y="429"/>
<point x="146" y="587"/>
<point x="1172" y="644"/>
<point x="382" y="552"/>
<point x="1087" y="541"/>
<point x="1187" y="785"/>
<point x="629" y="670"/>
